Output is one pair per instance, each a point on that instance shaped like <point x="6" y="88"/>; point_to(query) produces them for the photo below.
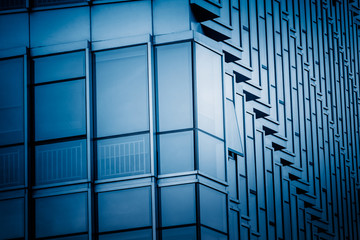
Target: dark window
<point x="42" y="3"/>
<point x="12" y="4"/>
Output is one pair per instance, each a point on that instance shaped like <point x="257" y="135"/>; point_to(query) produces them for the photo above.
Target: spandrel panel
<point x="59" y="215"/>
<point x="60" y="162"/>
<point x="213" y="208"/>
<point x="12" y="166"/>
<point x="124" y="156"/>
<point x="122" y="91"/>
<point x="59" y="67"/>
<point x="145" y="234"/>
<point x="12" y="218"/>
<point x="11" y="101"/>
<point x="188" y="233"/>
<point x="174" y="86"/>
<point x="209" y="91"/>
<point x="124" y="209"/>
<point x="60" y="110"/>
<point x="178" y="205"/>
<point x="176" y="152"/>
<point x="211" y="156"/>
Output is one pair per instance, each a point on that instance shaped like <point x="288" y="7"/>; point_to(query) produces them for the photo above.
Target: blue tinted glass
<point x="130" y="208"/>
<point x="41" y="3"/>
<point x="12" y="218"/>
<point x="232" y="128"/>
<point x="145" y="234"/>
<point x="60" y="110"/>
<point x="11" y="166"/>
<point x="178" y="205"/>
<point x="234" y="225"/>
<point x="76" y="237"/>
<point x="208" y="234"/>
<point x="60" y="162"/>
<point x="228" y="82"/>
<point x="11" y="101"/>
<point x="188" y="233"/>
<point x="176" y="152"/>
<point x="213" y="208"/>
<point x="59" y="67"/>
<point x="124" y="156"/>
<point x="174" y="83"/>
<point x="211" y="156"/>
<point x="209" y="91"/>
<point x="59" y="215"/>
<point x="232" y="178"/>
<point x="122" y="91"/>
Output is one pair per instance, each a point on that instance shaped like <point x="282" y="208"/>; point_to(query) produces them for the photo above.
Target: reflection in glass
<point x="60" y="215"/>
<point x="12" y="218"/>
<point x="176" y="152"/>
<point x="60" y="162"/>
<point x="209" y="91"/>
<point x="174" y="86"/>
<point x="124" y="156"/>
<point x="208" y="234"/>
<point x="59" y="67"/>
<point x="213" y="208"/>
<point x="123" y="209"/>
<point x="11" y="166"/>
<point x="144" y="234"/>
<point x="11" y="101"/>
<point x="188" y="233"/>
<point x="60" y="110"/>
<point x="211" y="156"/>
<point x="178" y="205"/>
<point x="122" y="91"/>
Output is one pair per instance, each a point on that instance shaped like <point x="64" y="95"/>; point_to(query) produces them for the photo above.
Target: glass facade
<point x="172" y="120"/>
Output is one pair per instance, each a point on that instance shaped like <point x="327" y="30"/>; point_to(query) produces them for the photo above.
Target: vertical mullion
<point x="25" y="119"/>
<point x="88" y="140"/>
<point x="151" y="133"/>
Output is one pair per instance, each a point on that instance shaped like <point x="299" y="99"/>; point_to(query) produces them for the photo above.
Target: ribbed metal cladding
<point x="12" y="4"/>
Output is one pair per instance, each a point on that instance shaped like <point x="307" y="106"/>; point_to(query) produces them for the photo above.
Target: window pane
<point x="229" y="87"/>
<point x="208" y="234"/>
<point x="211" y="156"/>
<point x="232" y="128"/>
<point x="232" y="178"/>
<point x="209" y="91"/>
<point x="213" y="208"/>
<point x="124" y="156"/>
<point x="174" y="83"/>
<point x="59" y="67"/>
<point x="41" y="3"/>
<point x="11" y="101"/>
<point x="76" y="237"/>
<point x="234" y="225"/>
<point x="178" y="205"/>
<point x="122" y="91"/>
<point x="60" y="110"/>
<point x="130" y="208"/>
<point x="176" y="152"/>
<point x="12" y="218"/>
<point x="7" y="5"/>
<point x="58" y="215"/>
<point x="60" y="162"/>
<point x="145" y="234"/>
<point x="188" y="233"/>
<point x="11" y="166"/>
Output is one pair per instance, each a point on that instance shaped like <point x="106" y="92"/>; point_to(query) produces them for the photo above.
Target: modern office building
<point x="179" y="119"/>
